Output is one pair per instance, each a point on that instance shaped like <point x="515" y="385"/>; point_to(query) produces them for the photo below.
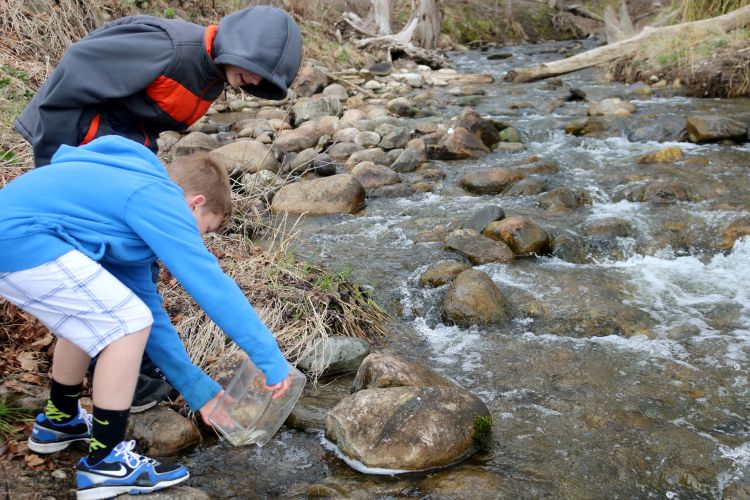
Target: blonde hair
<point x="198" y="174"/>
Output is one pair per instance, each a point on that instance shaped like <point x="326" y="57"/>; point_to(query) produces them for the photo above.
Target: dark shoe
<point x="123" y="471"/>
<point x="47" y="436"/>
<point x="149" y="392"/>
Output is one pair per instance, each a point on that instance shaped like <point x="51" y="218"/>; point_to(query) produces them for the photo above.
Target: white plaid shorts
<point x="78" y="300"/>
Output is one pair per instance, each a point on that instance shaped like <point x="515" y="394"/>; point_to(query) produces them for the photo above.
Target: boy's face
<point x="208" y="222"/>
<point x="238" y="77"/>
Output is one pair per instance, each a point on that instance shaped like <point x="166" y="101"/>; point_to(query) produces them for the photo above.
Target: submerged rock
<point x="466" y="481"/>
<point x="477" y="248"/>
<point x="614" y="106"/>
<point x="442" y="273"/>
<point x="665" y="155"/>
<point x="406" y="428"/>
<point x="521" y="234"/>
<point x="490" y="181"/>
<point x="711" y="128"/>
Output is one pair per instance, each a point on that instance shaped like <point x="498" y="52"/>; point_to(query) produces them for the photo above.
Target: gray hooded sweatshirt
<point x="139" y="76"/>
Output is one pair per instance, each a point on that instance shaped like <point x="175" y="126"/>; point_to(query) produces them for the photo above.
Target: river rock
<point x="313" y="109"/>
<point x="586" y="127"/>
<point x="665" y="155"/>
<point x="328" y="125"/>
<point x="353" y="115"/>
<point x="303" y="160"/>
<point x="337" y="194"/>
<point x="264" y="181"/>
<point x="419" y="146"/>
<point x="335" y="354"/>
<point x="665" y="192"/>
<point x="614" y="106"/>
<point x="529" y="186"/>
<point x="371" y="175"/>
<point x="375" y="155"/>
<point x="659" y="131"/>
<point x="195" y="142"/>
<point x="735" y="230"/>
<point x="482" y="128"/>
<point x="310" y="80"/>
<point x="458" y="145"/>
<point x="564" y="199"/>
<point x="401" y="106"/>
<point x="347" y="134"/>
<point x="381" y="69"/>
<point x="473" y="298"/>
<point x="466" y="481"/>
<point x="168" y="139"/>
<point x="336" y="90"/>
<point x="483" y="216"/>
<point x="477" y="248"/>
<point x="611" y="227"/>
<point x="406" y="428"/>
<point x="379" y="371"/>
<point x="324" y="166"/>
<point x="273" y="114"/>
<point x="298" y="139"/>
<point x="442" y="273"/>
<point x="407" y="161"/>
<point x="245" y="156"/>
<point x="173" y="493"/>
<point x="162" y="431"/>
<point x="490" y="181"/>
<point x="342" y="151"/>
<point x="714" y="128"/>
<point x="367" y="139"/>
<point x="521" y="234"/>
<point x="395" y="139"/>
<point x="510" y="134"/>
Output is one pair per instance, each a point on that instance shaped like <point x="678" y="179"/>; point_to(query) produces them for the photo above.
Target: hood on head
<point x="264" y="40"/>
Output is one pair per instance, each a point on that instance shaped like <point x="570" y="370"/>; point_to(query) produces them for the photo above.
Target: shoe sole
<point x="142" y="408"/>
<point x="113" y="491"/>
<point x="45" y="448"/>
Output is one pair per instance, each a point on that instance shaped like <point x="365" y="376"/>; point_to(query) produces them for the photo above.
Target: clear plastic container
<point x="253" y="416"/>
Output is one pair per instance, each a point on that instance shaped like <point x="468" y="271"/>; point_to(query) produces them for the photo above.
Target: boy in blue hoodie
<point x="77" y="255"/>
<point x="139" y="76"/>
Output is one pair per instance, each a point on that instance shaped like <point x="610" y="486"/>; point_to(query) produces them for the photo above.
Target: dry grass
<point x="693" y="10"/>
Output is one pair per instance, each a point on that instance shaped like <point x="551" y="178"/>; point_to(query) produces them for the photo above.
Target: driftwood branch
<point x="629" y="47"/>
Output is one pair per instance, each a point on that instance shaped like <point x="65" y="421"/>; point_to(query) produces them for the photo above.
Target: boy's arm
<point x="164" y="345"/>
<point x="167" y="226"/>
<point x="110" y="63"/>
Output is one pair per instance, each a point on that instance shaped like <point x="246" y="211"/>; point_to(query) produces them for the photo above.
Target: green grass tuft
<point x="482" y="436"/>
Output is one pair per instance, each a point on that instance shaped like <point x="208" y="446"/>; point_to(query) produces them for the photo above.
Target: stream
<point x="624" y="372"/>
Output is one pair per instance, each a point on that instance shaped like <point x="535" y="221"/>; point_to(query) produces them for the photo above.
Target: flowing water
<point x="624" y="373"/>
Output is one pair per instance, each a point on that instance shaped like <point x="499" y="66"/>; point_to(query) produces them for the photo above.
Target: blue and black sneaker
<point x="123" y="471"/>
<point x="49" y="436"/>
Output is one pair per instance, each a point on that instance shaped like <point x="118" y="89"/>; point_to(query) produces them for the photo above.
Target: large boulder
<point x="245" y="156"/>
<point x="473" y="298"/>
<point x="521" y="234"/>
<point x="491" y="180"/>
<point x="379" y="371"/>
<point x="337" y="194"/>
<point x="713" y="128"/>
<point x="477" y="248"/>
<point x="406" y="428"/>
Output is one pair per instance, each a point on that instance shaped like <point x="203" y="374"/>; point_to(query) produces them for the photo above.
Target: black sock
<point x="62" y="405"/>
<point x="108" y="432"/>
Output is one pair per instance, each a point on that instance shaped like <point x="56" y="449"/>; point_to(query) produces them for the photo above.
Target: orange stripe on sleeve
<point x="93" y="129"/>
<point x="177" y="101"/>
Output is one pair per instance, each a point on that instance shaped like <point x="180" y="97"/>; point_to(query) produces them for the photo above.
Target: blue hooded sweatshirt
<point x="113" y="201"/>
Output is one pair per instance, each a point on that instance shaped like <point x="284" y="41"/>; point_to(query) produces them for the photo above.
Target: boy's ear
<point x="195" y="200"/>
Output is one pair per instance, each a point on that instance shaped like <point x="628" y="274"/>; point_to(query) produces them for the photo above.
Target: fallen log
<point x="629" y="46"/>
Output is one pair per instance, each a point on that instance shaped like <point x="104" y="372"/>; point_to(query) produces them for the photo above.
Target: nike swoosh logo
<point x="73" y="395"/>
<point x="114" y="473"/>
<point x="103" y="422"/>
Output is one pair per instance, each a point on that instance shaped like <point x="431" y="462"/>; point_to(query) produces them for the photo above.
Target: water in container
<point x="253" y="416"/>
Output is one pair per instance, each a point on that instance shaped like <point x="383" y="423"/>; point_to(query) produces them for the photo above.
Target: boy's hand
<point x="221" y="417"/>
<point x="281" y="388"/>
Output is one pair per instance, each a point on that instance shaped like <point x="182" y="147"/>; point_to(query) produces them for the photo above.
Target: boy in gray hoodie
<point x="139" y="76"/>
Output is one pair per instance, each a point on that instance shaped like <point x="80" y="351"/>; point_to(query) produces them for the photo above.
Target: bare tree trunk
<point x="381" y="12"/>
<point x="429" y="17"/>
<point x="629" y="47"/>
